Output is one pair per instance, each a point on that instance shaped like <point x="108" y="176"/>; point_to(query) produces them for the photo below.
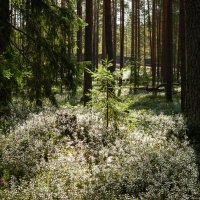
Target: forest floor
<point x="69" y="153"/>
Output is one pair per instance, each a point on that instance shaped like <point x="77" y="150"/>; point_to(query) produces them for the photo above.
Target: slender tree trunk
<point x="88" y="50"/>
<point x="132" y="42"/>
<point x="158" y="40"/>
<point x="94" y="33"/>
<point x="80" y="32"/>
<point x="182" y="53"/>
<point x="97" y="36"/>
<point x="103" y="34"/>
<point x="114" y="32"/>
<point x="136" y="37"/>
<point x="121" y="38"/>
<point x="153" y="50"/>
<point x="138" y="43"/>
<point x="108" y="32"/>
<point x="37" y="64"/>
<point x="167" y="48"/>
<point x="149" y="25"/>
<point x="144" y="34"/>
<point x="163" y="28"/>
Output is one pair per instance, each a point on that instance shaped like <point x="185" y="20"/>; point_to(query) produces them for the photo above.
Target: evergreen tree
<point x="5" y="31"/>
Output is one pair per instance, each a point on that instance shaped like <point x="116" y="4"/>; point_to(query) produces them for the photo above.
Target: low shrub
<point x="150" y="160"/>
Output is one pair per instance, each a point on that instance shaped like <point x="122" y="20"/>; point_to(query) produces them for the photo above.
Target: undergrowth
<point x="68" y="153"/>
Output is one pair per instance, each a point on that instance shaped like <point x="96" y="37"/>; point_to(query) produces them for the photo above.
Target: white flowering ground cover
<point x="68" y="154"/>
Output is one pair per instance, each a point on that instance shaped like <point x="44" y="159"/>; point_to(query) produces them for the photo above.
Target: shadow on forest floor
<point x="157" y="104"/>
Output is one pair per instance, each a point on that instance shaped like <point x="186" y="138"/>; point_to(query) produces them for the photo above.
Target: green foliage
<point x="144" y="76"/>
<point x="44" y="55"/>
<point x="12" y="73"/>
<point x="104" y="99"/>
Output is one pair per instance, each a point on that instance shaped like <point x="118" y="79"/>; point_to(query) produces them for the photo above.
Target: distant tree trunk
<point x="97" y="36"/>
<point x="163" y="33"/>
<point x="103" y="34"/>
<point x="132" y="41"/>
<point x="144" y="34"/>
<point x="138" y="43"/>
<point x="121" y="38"/>
<point x="5" y="89"/>
<point x="37" y="64"/>
<point x="175" y="47"/>
<point x="149" y="25"/>
<point x="114" y="2"/>
<point x="192" y="108"/>
<point x="182" y="52"/>
<point x="80" y="32"/>
<point x="88" y="50"/>
<point x="167" y="48"/>
<point x="158" y="40"/>
<point x="108" y="32"/>
<point x="37" y="72"/>
<point x="94" y="33"/>
<point x="153" y="50"/>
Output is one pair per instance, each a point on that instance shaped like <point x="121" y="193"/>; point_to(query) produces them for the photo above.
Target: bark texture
<point x="192" y="109"/>
<point x="88" y="49"/>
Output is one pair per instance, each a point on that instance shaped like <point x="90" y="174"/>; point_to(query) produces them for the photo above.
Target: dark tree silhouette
<point x="182" y="51"/>
<point x="192" y="108"/>
<point x="5" y="90"/>
<point x="88" y="49"/>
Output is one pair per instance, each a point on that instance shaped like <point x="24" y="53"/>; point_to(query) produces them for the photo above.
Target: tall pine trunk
<point x="153" y="50"/>
<point x="182" y="51"/>
<point x="192" y="108"/>
<point x="108" y="31"/>
<point x="88" y="50"/>
<point x="167" y="48"/>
